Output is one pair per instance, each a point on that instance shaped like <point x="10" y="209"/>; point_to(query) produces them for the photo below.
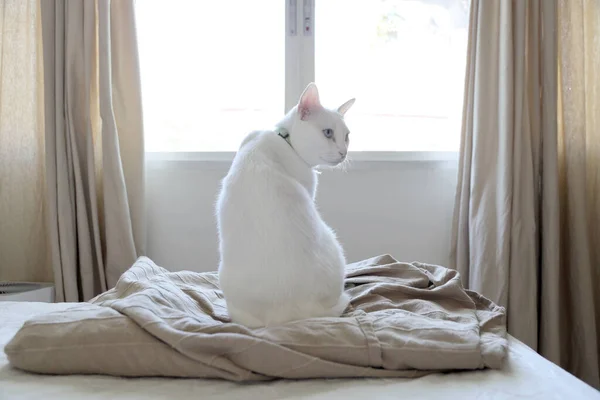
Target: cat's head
<point x="319" y="135"/>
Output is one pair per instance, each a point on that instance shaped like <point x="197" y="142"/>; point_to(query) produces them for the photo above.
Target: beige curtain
<point x="527" y="208"/>
<point x="579" y="168"/>
<point x="24" y="254"/>
<point x="94" y="143"/>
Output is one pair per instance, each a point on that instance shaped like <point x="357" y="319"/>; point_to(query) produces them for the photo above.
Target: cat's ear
<point x="309" y="101"/>
<point x="346" y="106"/>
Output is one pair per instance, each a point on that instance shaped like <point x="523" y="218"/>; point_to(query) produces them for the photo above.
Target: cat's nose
<point x="343" y="154"/>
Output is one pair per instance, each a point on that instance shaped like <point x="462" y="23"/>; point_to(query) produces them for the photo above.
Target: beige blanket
<point x="405" y="320"/>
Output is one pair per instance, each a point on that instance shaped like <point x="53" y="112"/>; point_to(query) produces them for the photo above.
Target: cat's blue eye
<point x="328" y="133"/>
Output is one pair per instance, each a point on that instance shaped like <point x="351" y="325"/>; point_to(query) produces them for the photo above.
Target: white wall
<point x="400" y="208"/>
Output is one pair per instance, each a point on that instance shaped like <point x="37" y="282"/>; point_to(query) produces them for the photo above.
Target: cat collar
<point x="284" y="134"/>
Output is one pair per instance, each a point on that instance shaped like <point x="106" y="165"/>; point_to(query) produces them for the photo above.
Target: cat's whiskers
<point x="344" y="165"/>
<point x="341" y="165"/>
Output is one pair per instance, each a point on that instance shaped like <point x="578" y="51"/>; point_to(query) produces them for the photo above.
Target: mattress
<point x="526" y="375"/>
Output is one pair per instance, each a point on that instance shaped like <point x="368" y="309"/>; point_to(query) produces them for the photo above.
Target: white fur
<point x="280" y="262"/>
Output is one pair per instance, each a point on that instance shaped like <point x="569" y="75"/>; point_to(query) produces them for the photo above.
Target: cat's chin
<point x="331" y="164"/>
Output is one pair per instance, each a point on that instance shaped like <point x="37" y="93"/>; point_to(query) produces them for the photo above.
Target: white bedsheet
<point x="526" y="375"/>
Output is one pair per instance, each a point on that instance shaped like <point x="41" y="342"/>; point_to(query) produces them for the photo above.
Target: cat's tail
<point x="339" y="308"/>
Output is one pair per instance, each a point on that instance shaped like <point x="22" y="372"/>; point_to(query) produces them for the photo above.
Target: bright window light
<point x="214" y="71"/>
<point x="404" y="61"/>
<point x="211" y="71"/>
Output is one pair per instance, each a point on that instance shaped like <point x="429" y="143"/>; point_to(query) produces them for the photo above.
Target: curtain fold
<point x="24" y="250"/>
<point x="579" y="182"/>
<point x="527" y="203"/>
<point x="94" y="143"/>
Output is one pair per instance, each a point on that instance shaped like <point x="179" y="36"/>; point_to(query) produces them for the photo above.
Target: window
<point x="212" y="73"/>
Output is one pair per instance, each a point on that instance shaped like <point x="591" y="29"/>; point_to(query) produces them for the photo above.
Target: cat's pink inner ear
<point x="309" y="101"/>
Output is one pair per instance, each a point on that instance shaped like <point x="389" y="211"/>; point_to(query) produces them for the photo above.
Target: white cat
<point x="279" y="261"/>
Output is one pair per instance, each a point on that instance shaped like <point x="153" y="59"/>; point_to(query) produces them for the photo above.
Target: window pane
<point x="211" y="71"/>
<point x="404" y="61"/>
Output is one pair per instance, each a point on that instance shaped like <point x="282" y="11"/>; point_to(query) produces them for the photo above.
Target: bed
<point x="525" y="375"/>
<point x="408" y="331"/>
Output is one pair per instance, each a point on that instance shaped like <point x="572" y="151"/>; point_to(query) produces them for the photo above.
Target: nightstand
<point x="27" y="291"/>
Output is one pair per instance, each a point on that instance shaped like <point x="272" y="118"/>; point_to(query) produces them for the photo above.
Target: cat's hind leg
<point x="337" y="310"/>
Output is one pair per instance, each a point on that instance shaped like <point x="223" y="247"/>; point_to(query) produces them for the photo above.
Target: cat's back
<point x="256" y="170"/>
<point x="266" y="219"/>
<point x="253" y="158"/>
<point x="260" y="194"/>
